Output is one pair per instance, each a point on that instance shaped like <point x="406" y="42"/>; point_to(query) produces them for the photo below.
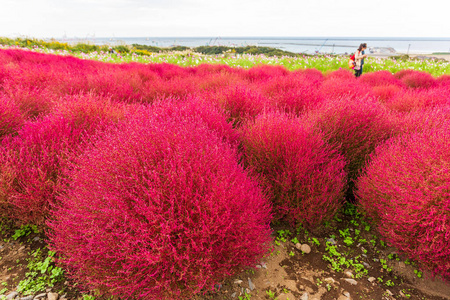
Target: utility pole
<point x="407" y="52"/>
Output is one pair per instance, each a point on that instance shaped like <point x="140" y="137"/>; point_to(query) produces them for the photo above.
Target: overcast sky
<point x="214" y="18"/>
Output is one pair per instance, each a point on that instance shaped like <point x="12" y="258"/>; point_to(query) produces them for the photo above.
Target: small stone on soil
<point x="11" y="295"/>
<point x="389" y="292"/>
<point x="348" y="274"/>
<point x="346" y="294"/>
<point x="238" y="281"/>
<point x="305" y="248"/>
<point x="40" y="296"/>
<point x="52" y="296"/>
<point x="332" y="241"/>
<point x="351" y="281"/>
<point x="329" y="280"/>
<point x="371" y="279"/>
<point x="250" y="284"/>
<point x="233" y="295"/>
<point x="304" y="296"/>
<point x="27" y="298"/>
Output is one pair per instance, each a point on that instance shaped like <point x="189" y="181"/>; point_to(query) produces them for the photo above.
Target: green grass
<point x="244" y="57"/>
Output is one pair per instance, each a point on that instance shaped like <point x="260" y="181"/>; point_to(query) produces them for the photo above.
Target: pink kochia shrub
<point x="30" y="167"/>
<point x="355" y="126"/>
<point x="32" y="161"/>
<point x="334" y="88"/>
<point x="241" y="101"/>
<point x="414" y="99"/>
<point x="304" y="176"/>
<point x="10" y="117"/>
<point x="381" y="78"/>
<point x="32" y="101"/>
<point x="406" y="190"/>
<point x="159" y="209"/>
<point x="293" y="94"/>
<point x="194" y="109"/>
<point x="386" y="92"/>
<point x="417" y="79"/>
<point x="422" y="120"/>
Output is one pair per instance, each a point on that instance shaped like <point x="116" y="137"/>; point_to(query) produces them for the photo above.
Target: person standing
<point x="359" y="59"/>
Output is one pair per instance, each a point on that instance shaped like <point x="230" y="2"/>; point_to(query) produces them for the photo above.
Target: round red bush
<point x="241" y="101"/>
<point x="406" y="191"/>
<point x="304" y="177"/>
<point x="32" y="162"/>
<point x="194" y="109"/>
<point x="417" y="79"/>
<point x="10" y="117"/>
<point x="381" y="78"/>
<point x="159" y="210"/>
<point x="444" y="80"/>
<point x="263" y="72"/>
<point x="336" y="88"/>
<point x="385" y="93"/>
<point x="312" y="75"/>
<point x="340" y="74"/>
<point x="402" y="73"/>
<point x="415" y="99"/>
<point x="357" y="126"/>
<point x="423" y="119"/>
<point x="293" y="94"/>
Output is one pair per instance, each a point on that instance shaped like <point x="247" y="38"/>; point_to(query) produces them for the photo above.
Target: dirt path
<point x="343" y="260"/>
<point x="347" y="261"/>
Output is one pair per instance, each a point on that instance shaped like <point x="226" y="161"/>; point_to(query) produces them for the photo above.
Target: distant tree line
<point x="141" y="49"/>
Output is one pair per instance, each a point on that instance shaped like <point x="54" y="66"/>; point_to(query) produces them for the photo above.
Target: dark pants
<point x="358" y="72"/>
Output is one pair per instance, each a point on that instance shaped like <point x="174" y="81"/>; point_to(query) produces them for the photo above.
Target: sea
<point x="307" y="45"/>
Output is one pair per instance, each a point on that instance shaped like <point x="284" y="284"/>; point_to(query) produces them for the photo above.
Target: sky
<point x="218" y="18"/>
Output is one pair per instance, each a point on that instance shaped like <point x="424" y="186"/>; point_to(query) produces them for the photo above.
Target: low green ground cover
<point x="245" y="57"/>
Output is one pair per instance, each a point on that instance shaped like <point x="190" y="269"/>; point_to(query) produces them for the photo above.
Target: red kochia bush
<point x="32" y="101"/>
<point x="240" y="101"/>
<point x="264" y="72"/>
<point x="32" y="162"/>
<point x="340" y="74"/>
<point x="293" y="94"/>
<point x="381" y="78"/>
<point x="414" y="99"/>
<point x="10" y="117"/>
<point x="443" y="80"/>
<point x="305" y="178"/>
<point x="159" y="209"/>
<point x="406" y="190"/>
<point x="30" y="167"/>
<point x="356" y="125"/>
<point x="386" y="92"/>
<point x="336" y="88"/>
<point x="417" y="79"/>
<point x="422" y="120"/>
<point x="193" y="108"/>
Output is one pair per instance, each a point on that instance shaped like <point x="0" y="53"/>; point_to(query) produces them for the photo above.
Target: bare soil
<point x="287" y="272"/>
<point x="290" y="274"/>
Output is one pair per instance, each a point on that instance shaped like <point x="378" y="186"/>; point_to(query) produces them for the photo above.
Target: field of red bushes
<point x="158" y="181"/>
